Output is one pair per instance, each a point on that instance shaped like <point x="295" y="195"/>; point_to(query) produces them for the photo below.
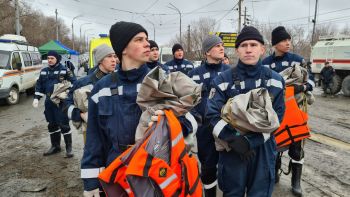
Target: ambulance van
<point x="20" y="66"/>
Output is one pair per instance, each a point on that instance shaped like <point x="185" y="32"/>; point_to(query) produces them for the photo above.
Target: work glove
<point x="35" y="103"/>
<point x="84" y="116"/>
<point x="308" y="87"/>
<point x="299" y="88"/>
<point x="154" y="117"/>
<point x="92" y="193"/>
<point x="240" y="145"/>
<point x="189" y="142"/>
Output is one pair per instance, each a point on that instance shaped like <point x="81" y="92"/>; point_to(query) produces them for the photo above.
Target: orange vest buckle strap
<point x="294" y="126"/>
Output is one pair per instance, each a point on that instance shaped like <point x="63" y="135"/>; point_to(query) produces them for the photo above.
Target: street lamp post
<point x="73" y="29"/>
<point x="85" y="38"/>
<point x="176" y="9"/>
<point x="154" y="28"/>
<point x="80" y="32"/>
<point x="89" y="37"/>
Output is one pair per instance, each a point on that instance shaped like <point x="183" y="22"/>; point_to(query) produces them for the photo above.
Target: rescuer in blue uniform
<point x="213" y="48"/>
<point x="279" y="61"/>
<point x="179" y="63"/>
<point x="58" y="121"/>
<point x="106" y="61"/>
<point x="113" y="111"/>
<point x="248" y="168"/>
<point x="154" y="56"/>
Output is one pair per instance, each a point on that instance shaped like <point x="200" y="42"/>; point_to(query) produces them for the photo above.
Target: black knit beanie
<point x="152" y="44"/>
<point x="279" y="34"/>
<point x="121" y="33"/>
<point x="55" y="54"/>
<point x="249" y="33"/>
<point x="176" y="47"/>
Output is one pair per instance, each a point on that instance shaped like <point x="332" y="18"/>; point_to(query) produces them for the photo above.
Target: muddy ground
<point x="26" y="172"/>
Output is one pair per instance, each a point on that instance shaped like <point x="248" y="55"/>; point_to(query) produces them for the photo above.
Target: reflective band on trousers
<point x="211" y="185"/>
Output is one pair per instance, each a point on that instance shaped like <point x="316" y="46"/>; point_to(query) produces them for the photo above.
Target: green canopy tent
<point x="56" y="46"/>
<point x="65" y="52"/>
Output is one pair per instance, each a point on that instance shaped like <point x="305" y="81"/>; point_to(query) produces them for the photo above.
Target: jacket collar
<point x="55" y="67"/>
<point x="250" y="71"/>
<point x="152" y="65"/>
<point x="178" y="61"/>
<point x="212" y="66"/>
<point x="133" y="74"/>
<point x="280" y="57"/>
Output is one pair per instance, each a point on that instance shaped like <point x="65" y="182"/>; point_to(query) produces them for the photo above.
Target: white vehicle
<point x="165" y="55"/>
<point x="335" y="50"/>
<point x="20" y="66"/>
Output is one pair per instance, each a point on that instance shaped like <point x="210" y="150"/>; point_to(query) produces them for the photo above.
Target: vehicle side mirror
<point x="19" y="66"/>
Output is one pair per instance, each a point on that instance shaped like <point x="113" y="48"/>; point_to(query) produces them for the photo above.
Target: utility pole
<point x="177" y="9"/>
<point x="246" y="20"/>
<point x="73" y="30"/>
<point x="314" y="21"/>
<point x="56" y="25"/>
<point x="245" y="16"/>
<point x="18" y="25"/>
<point x="239" y="15"/>
<point x="189" y="39"/>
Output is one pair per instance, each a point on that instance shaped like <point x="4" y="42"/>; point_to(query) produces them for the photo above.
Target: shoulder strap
<point x="265" y="75"/>
<point x="114" y="78"/>
<point x="235" y="78"/>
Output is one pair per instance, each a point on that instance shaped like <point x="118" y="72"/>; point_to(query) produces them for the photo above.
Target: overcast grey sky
<point x="103" y="13"/>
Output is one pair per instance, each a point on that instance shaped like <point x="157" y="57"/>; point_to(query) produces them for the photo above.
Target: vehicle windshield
<point x="167" y="57"/>
<point x="4" y="59"/>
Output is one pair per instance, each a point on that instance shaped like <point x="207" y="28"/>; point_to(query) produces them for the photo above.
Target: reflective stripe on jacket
<point x="294" y="125"/>
<point x="179" y="176"/>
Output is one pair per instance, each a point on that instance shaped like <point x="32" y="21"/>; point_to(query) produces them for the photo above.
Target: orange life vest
<point x="294" y="125"/>
<point x="178" y="178"/>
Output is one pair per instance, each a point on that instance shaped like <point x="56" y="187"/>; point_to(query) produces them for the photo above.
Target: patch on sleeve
<point x="212" y="93"/>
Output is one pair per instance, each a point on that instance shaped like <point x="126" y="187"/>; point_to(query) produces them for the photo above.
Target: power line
<point x="206" y="5"/>
<point x="304" y="17"/>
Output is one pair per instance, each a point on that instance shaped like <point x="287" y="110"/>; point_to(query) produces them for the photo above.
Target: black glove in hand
<point x="239" y="144"/>
<point x="299" y="88"/>
<point x="309" y="87"/>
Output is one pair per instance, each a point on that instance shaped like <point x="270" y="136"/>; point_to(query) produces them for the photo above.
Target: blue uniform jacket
<point x="112" y="121"/>
<point x="68" y="106"/>
<point x="240" y="80"/>
<point x="204" y="74"/>
<point x="182" y="65"/>
<point x="280" y="63"/>
<point x="50" y="76"/>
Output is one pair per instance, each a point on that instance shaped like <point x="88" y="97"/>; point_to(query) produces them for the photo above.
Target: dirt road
<point x="25" y="172"/>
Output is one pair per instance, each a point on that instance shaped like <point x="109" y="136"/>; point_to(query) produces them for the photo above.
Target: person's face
<point x="226" y="61"/>
<point x="250" y="51"/>
<point x="138" y="48"/>
<point x="109" y="62"/>
<point x="217" y="52"/>
<point x="283" y="46"/>
<point x="154" y="54"/>
<point x="327" y="65"/>
<point x="51" y="60"/>
<point x="179" y="54"/>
